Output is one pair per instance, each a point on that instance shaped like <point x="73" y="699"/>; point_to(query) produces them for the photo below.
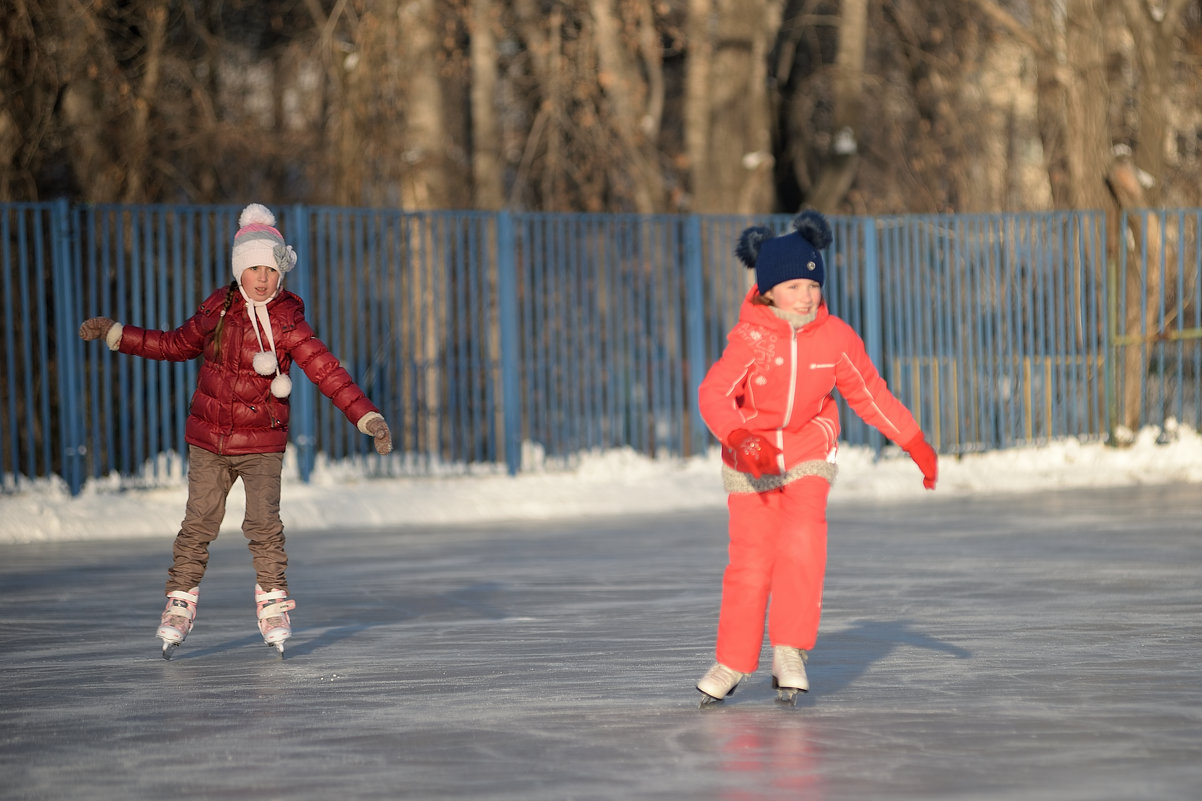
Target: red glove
<point x="924" y="456"/>
<point x="753" y="453"/>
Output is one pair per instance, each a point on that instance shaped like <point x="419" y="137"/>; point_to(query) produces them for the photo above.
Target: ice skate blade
<point x="169" y="649"/>
<point x="278" y="646"/>
<point x="776" y="685"/>
<point x="708" y="700"/>
<point x="787" y="696"/>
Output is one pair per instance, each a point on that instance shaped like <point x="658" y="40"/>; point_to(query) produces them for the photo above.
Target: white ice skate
<point x="789" y="673"/>
<point x="177" y="619"/>
<point x="273" y="608"/>
<point x="717" y="683"/>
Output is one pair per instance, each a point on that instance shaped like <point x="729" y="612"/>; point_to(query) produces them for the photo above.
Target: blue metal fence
<point x="518" y="341"/>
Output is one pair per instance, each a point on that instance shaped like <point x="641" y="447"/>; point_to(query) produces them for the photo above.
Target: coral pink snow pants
<point x="777" y="550"/>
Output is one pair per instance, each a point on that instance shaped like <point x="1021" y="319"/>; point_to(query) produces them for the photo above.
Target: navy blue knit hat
<point x="777" y="259"/>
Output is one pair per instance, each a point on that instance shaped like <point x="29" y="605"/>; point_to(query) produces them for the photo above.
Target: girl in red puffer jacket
<point x="770" y="400"/>
<point x="250" y="333"/>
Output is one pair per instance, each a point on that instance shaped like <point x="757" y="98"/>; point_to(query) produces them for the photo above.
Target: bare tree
<point x="592" y="103"/>
<point x="26" y="102"/>
<point x="137" y="148"/>
<point x="839" y="169"/>
<point x="727" y="109"/>
<point x="487" y="177"/>
<point x="622" y="105"/>
<point x="631" y="81"/>
<point x="1156" y="33"/>
<point x="94" y="101"/>
<point x="1082" y="129"/>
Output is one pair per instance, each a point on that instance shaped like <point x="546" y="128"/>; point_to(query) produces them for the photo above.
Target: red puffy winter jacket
<point x="233" y="411"/>
<point x="779" y="383"/>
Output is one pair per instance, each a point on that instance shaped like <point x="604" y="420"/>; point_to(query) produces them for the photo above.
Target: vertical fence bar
<point x="302" y="421"/>
<point x="184" y="270"/>
<point x="24" y="312"/>
<point x="695" y="366"/>
<point x="106" y="420"/>
<point x="511" y="372"/>
<point x="42" y="319"/>
<point x="160" y="277"/>
<point x="1179" y="314"/>
<point x="67" y="352"/>
<point x="1111" y="327"/>
<point x="1145" y="322"/>
<point x="873" y="323"/>
<point x="571" y="320"/>
<point x="1196" y="230"/>
<point x="12" y="437"/>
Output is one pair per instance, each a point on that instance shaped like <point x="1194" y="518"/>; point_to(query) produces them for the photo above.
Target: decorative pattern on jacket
<point x="233" y="411"/>
<point x="779" y="382"/>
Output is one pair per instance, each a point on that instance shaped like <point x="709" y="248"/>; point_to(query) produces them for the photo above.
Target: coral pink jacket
<point x="233" y="411"/>
<point x="779" y="383"/>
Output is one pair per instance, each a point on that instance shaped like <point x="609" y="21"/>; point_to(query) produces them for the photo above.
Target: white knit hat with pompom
<point x="258" y="242"/>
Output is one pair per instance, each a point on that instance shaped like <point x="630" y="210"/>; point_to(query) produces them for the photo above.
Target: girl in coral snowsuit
<point x="770" y="400"/>
<point x="250" y="333"/>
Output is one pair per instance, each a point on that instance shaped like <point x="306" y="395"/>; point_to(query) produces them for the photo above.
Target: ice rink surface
<point x="1044" y="646"/>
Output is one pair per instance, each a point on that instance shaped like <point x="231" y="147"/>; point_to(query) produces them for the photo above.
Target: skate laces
<point x="789" y="660"/>
<point x="788" y="668"/>
<point x="722" y="673"/>
<point x="719" y="681"/>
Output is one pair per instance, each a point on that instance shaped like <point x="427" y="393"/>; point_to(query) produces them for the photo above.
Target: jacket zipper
<point x="780" y="432"/>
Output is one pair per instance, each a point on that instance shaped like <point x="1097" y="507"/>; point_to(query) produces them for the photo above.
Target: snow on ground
<point x="615" y="482"/>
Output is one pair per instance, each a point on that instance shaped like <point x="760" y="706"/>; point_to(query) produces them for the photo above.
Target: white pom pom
<point x="264" y="362"/>
<point x="281" y="386"/>
<point x="256" y="213"/>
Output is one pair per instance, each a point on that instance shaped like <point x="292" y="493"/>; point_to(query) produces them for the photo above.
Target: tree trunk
<point x="1141" y="290"/>
<point x="137" y="152"/>
<point x="1088" y="135"/>
<point x="87" y="109"/>
<point x="1051" y="84"/>
<point x="697" y="112"/>
<point x="728" y="111"/>
<point x="1156" y="47"/>
<point x="631" y="79"/>
<point x="489" y="192"/>
<point x="425" y="183"/>
<point x="356" y="94"/>
<point x="839" y="169"/>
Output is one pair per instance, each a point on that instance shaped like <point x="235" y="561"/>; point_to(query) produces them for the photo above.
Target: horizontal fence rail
<point x="521" y="341"/>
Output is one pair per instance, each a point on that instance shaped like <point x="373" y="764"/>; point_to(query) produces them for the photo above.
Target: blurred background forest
<point x="648" y="106"/>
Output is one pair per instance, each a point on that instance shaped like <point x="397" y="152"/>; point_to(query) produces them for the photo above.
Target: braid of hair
<point x="229" y="299"/>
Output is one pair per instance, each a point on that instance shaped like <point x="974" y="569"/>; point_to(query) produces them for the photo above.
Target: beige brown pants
<point x="210" y="477"/>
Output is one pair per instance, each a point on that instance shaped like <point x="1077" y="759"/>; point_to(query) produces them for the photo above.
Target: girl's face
<point x="260" y="282"/>
<point x="801" y="295"/>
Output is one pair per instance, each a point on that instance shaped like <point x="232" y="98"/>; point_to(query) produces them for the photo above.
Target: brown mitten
<point x="381" y="435"/>
<point x="95" y="328"/>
